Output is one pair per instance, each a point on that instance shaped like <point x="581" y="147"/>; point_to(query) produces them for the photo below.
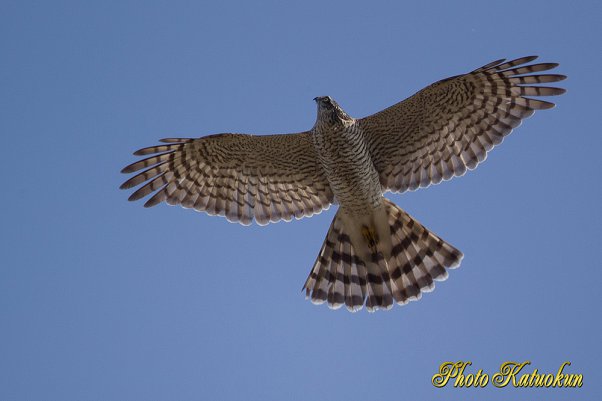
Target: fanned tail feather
<point x="418" y="259"/>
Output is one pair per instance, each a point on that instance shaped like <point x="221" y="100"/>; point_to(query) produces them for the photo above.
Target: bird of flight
<point x="374" y="254"/>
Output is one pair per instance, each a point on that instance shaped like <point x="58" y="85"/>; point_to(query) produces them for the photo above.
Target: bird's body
<point x="343" y="153"/>
<point x="347" y="164"/>
<point x="374" y="252"/>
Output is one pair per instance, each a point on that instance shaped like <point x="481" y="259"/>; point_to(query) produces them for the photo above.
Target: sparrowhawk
<point x="374" y="252"/>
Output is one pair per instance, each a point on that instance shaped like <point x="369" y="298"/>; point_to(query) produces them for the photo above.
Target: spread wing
<point x="242" y="177"/>
<point x="450" y="126"/>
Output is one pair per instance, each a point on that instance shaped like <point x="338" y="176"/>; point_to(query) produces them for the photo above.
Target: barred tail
<point x="418" y="258"/>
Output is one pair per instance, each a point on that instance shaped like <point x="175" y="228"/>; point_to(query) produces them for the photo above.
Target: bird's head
<point x="329" y="112"/>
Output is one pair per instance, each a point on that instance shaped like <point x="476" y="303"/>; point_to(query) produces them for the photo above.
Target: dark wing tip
<point x="559" y="77"/>
<point x="540" y="104"/>
<point x="131" y="183"/>
<point x="154" y="200"/>
<point x="527" y="59"/>
<point x="175" y="140"/>
<point x="136" y="195"/>
<point x="128" y="169"/>
<point x="141" y="152"/>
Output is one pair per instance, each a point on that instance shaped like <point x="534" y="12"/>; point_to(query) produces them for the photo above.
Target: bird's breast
<point x="349" y="168"/>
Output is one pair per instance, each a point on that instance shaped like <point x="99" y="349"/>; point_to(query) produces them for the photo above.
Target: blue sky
<point x="103" y="299"/>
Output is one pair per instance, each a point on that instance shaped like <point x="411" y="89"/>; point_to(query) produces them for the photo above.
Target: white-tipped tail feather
<point x="418" y="258"/>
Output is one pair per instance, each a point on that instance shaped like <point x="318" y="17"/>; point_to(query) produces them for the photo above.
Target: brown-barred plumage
<point x="374" y="253"/>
